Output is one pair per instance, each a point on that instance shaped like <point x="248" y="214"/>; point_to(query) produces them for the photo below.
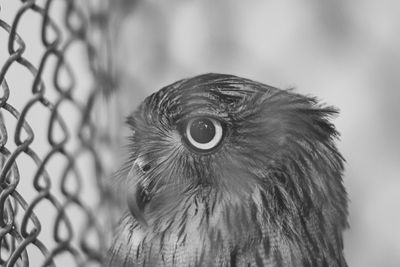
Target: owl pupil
<point x="202" y="131"/>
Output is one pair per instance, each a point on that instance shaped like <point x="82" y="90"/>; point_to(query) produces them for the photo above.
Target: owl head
<point x="264" y="153"/>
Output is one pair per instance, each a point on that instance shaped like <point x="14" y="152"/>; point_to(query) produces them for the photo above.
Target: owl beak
<point x="136" y="198"/>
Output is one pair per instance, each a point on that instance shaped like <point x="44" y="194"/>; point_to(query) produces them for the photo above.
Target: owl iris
<point x="203" y="133"/>
<point x="202" y="130"/>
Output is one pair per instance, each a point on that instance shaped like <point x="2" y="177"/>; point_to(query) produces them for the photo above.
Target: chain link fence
<point x="55" y="135"/>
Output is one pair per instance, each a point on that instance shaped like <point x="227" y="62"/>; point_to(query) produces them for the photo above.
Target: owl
<point x="226" y="171"/>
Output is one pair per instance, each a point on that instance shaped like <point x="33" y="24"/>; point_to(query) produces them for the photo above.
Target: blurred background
<point x="344" y="52"/>
<point x="347" y="53"/>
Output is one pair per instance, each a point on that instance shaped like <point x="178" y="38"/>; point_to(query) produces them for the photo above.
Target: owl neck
<point x="209" y="220"/>
<point x="210" y="217"/>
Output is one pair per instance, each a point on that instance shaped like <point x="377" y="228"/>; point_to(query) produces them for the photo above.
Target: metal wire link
<point x="20" y="227"/>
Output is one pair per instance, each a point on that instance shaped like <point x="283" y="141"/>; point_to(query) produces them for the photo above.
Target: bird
<point x="226" y="171"/>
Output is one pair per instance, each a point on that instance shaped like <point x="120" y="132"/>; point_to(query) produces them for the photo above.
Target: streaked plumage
<point x="269" y="194"/>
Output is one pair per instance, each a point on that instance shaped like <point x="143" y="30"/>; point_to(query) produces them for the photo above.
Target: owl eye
<point x="203" y="133"/>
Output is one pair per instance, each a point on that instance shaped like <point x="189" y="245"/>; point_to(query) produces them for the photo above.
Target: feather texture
<point x="270" y="195"/>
